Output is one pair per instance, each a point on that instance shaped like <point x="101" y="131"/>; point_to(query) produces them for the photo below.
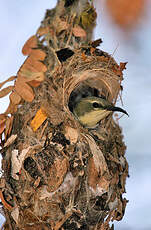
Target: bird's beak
<point x="118" y="109"/>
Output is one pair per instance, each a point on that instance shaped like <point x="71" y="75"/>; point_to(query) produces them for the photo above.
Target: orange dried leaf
<point x="39" y="118"/>
<point x="6" y="91"/>
<point x="30" y="43"/>
<point x="38" y="54"/>
<point x="78" y="32"/>
<point x="24" y="90"/>
<point x="8" y="80"/>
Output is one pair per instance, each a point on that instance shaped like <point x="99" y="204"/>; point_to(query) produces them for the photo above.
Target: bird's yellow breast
<point x="90" y="119"/>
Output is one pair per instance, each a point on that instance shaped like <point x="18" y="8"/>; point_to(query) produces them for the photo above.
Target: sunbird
<point x="91" y="110"/>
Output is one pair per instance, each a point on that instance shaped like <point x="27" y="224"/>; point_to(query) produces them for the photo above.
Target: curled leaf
<point x="30" y="43"/>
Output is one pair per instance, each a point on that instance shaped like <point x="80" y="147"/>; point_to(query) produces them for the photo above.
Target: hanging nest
<point x="58" y="174"/>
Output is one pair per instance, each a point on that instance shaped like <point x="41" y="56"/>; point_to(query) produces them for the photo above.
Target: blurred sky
<point x="20" y="19"/>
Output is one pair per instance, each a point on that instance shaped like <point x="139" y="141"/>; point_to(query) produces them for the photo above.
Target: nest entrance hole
<point x="83" y="91"/>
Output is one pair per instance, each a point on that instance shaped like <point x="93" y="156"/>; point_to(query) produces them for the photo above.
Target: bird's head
<point x="90" y="110"/>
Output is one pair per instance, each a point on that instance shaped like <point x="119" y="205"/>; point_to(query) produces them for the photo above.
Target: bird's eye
<point x="96" y="105"/>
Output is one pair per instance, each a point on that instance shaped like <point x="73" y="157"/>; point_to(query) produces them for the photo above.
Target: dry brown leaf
<point x="11" y="108"/>
<point x="98" y="157"/>
<point x="2" y="126"/>
<point x="71" y="134"/>
<point x="78" y="31"/>
<point x="33" y="65"/>
<point x="6" y="91"/>
<point x="30" y="43"/>
<point x="24" y="90"/>
<point x="15" y="98"/>
<point x="10" y="140"/>
<point x="8" y="80"/>
<point x="99" y="176"/>
<point x="8" y="125"/>
<point x="57" y="173"/>
<point x="17" y="160"/>
<point x="42" y="31"/>
<point x="15" y="214"/>
<point x="38" y="54"/>
<point x="35" y="78"/>
<point x="34" y="83"/>
<point x="2" y="118"/>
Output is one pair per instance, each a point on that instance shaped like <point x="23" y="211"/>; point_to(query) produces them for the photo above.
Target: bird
<point x="89" y="111"/>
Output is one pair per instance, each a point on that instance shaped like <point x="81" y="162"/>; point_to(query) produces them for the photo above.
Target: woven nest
<point x="62" y="175"/>
<point x="58" y="174"/>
